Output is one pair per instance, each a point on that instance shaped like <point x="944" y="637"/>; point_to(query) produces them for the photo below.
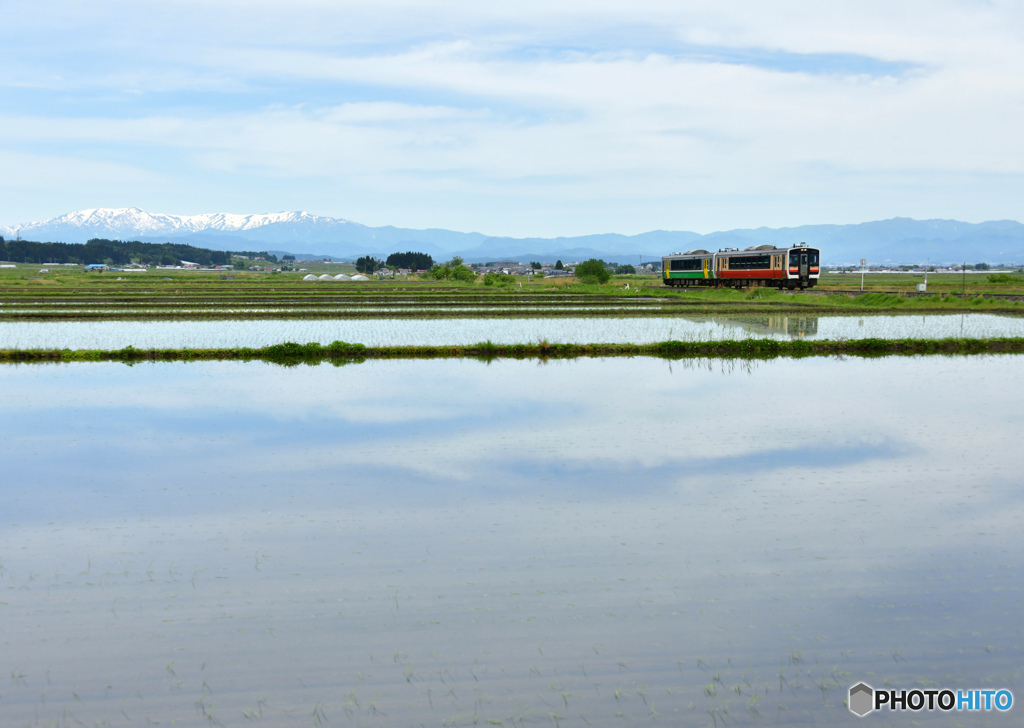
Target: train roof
<point x="751" y="249"/>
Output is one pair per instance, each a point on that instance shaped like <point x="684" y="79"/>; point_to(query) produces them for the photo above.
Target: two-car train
<point x="761" y="265"/>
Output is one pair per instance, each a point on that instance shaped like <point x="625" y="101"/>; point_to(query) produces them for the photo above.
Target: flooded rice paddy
<point x="579" y="543"/>
<point x="426" y="332"/>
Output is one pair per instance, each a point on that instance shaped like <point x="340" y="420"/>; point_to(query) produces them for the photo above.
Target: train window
<point x="750" y="262"/>
<point x="686" y="264"/>
<point x="812" y="257"/>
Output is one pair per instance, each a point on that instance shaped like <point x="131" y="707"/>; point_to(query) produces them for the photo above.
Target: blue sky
<point x="532" y="118"/>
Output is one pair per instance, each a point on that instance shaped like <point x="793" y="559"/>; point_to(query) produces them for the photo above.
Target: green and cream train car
<point x="761" y="265"/>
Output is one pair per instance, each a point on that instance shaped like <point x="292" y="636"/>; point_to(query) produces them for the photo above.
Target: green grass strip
<point x="341" y="352"/>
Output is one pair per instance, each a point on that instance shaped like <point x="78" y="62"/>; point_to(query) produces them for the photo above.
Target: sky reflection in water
<point x="397" y="542"/>
<point x="460" y="332"/>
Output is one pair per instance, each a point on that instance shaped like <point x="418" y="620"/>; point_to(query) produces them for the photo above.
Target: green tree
<point x="367" y="264"/>
<point x="464" y="274"/>
<point x="558" y="265"/>
<point x="411" y="260"/>
<point x="593" y="271"/>
<point x="116" y="252"/>
<point x="535" y="265"/>
<point x="621" y="270"/>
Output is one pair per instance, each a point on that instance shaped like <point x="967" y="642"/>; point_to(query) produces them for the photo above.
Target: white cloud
<point x="550" y="103"/>
<point x="51" y="171"/>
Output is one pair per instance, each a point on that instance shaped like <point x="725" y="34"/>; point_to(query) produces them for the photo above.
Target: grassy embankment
<point x="68" y="294"/>
<point x="341" y="352"/>
<point x="971" y="283"/>
<point x="72" y="295"/>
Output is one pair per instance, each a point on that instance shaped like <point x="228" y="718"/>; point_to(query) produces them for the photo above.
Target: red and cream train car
<point x="761" y="265"/>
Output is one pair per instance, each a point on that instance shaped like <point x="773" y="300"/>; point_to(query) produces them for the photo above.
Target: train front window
<point x="812" y="256"/>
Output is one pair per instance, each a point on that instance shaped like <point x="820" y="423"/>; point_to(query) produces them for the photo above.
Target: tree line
<point x="414" y="261"/>
<point x="115" y="252"/>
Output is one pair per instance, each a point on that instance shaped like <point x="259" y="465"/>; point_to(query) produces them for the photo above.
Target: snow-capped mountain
<point x="292" y="231"/>
<point x="132" y="222"/>
<point x="899" y="240"/>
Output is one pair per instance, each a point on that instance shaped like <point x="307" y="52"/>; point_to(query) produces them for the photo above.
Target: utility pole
<point x="862" y="263"/>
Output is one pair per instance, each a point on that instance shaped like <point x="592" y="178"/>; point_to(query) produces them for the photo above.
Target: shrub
<point x="290" y="353"/>
<point x="343" y="348"/>
<point x="502" y="280"/>
<point x="593" y="271"/>
<point x="457" y="272"/>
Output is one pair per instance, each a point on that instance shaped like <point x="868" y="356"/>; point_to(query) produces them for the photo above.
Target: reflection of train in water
<point x="761" y="265"/>
<point x="788" y="325"/>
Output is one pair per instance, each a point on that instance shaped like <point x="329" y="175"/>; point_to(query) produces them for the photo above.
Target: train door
<point x="706" y="267"/>
<point x="799" y="264"/>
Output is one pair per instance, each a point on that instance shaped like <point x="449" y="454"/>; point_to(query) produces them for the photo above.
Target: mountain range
<point x="895" y="241"/>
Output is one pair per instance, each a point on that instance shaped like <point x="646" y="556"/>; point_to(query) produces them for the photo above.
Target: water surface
<point x="594" y="542"/>
<point x="419" y="332"/>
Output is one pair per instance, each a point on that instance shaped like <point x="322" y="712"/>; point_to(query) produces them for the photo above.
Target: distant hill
<point x="895" y="241"/>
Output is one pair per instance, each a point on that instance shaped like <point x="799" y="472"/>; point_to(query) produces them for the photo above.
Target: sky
<point x="533" y="118"/>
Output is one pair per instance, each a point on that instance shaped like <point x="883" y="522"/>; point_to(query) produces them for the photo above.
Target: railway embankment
<point x="912" y="295"/>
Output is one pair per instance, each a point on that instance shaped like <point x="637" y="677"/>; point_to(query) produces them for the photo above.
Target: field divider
<point x="340" y="352"/>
